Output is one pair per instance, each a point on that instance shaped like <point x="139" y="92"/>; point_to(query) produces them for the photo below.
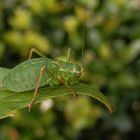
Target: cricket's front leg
<point x="69" y="55"/>
<point x="36" y="89"/>
<point x="64" y="83"/>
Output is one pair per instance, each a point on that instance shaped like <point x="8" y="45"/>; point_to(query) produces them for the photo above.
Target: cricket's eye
<point x="78" y="74"/>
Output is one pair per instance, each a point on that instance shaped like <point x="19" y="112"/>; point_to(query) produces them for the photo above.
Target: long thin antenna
<point x="84" y="28"/>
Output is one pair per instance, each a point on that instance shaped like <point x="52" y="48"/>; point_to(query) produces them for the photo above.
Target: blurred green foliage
<point x="111" y="60"/>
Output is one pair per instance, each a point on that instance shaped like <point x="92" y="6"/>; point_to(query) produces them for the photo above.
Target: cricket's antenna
<point x="69" y="55"/>
<point x="84" y="27"/>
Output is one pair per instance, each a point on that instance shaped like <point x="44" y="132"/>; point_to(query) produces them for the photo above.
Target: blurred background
<point x="111" y="59"/>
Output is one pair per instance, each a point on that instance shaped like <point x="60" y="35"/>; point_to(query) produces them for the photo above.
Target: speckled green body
<point x="24" y="76"/>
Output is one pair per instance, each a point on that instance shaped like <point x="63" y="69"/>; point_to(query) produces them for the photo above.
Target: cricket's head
<point x="69" y="72"/>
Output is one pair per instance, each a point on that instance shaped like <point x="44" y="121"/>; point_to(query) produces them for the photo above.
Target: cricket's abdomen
<point x="24" y="76"/>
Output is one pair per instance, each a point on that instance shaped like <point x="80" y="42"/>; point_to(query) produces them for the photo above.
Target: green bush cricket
<point x="37" y="72"/>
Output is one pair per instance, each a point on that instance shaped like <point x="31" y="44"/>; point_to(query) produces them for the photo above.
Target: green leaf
<point x="11" y="101"/>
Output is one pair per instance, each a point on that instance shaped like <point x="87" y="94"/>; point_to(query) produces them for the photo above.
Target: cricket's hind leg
<point x="35" y="51"/>
<point x="37" y="86"/>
